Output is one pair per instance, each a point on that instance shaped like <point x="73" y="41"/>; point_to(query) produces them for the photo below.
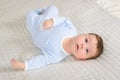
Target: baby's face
<point x="85" y="46"/>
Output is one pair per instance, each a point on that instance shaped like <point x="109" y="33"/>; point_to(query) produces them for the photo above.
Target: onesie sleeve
<point x="58" y="20"/>
<point x="40" y="61"/>
<point x="35" y="62"/>
<point x="63" y="20"/>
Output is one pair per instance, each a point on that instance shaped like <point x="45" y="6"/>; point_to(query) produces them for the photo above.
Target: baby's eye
<point x="86" y="40"/>
<point x="87" y="50"/>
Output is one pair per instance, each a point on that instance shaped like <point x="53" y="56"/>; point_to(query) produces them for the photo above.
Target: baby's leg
<point x="33" y="20"/>
<point x="30" y="21"/>
<point x="51" y="11"/>
<point x="17" y="64"/>
<point x="36" y="18"/>
<point x="40" y="11"/>
<point x="47" y="13"/>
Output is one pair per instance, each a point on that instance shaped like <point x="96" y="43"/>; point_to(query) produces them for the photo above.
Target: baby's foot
<point x="39" y="11"/>
<point x="17" y="64"/>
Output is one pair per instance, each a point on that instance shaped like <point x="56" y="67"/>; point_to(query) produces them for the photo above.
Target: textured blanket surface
<point x="112" y="6"/>
<point x="86" y="15"/>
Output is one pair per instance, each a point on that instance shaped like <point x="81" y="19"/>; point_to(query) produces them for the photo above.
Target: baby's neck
<point x="67" y="44"/>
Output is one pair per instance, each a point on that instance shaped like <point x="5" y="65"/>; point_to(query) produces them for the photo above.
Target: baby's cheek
<point x="83" y="53"/>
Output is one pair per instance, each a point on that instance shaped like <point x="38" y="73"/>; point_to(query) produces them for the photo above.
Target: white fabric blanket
<point x="86" y="15"/>
<point x="112" y="6"/>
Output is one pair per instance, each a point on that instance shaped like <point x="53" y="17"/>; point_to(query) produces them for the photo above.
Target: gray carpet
<point x="15" y="41"/>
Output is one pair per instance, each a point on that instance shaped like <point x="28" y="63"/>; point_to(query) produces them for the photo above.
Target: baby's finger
<point x="13" y="60"/>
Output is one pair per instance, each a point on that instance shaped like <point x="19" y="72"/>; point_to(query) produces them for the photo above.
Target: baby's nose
<point x="82" y="45"/>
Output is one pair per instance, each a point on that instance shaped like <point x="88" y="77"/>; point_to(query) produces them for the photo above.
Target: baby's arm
<point x="47" y="24"/>
<point x="34" y="63"/>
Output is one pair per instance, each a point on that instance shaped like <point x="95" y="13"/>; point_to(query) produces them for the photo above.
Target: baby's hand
<point x="17" y="64"/>
<point x="47" y="24"/>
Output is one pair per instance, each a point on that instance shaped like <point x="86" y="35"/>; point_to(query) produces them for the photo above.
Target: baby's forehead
<point x="92" y="38"/>
<point x="91" y="35"/>
<point x="94" y="51"/>
<point x="93" y="47"/>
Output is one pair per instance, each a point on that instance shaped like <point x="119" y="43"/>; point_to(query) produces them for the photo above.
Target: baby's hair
<point x="99" y="46"/>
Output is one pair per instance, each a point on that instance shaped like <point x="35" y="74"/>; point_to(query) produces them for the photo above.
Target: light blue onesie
<point x="49" y="41"/>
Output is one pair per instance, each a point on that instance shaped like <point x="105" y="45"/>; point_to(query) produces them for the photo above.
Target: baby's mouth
<point x="77" y="47"/>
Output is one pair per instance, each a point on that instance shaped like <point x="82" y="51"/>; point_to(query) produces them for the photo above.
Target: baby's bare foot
<point x="17" y="64"/>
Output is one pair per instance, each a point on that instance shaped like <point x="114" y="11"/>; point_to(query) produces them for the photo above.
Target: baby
<point x="57" y="38"/>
